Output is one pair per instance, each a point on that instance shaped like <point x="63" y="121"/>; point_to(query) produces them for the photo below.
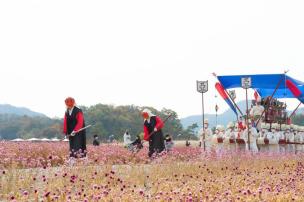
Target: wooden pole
<point x="247" y="121"/>
<point x="203" y="111"/>
<point x="294" y="111"/>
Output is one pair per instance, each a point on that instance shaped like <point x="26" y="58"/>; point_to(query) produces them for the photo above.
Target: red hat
<point x="69" y="102"/>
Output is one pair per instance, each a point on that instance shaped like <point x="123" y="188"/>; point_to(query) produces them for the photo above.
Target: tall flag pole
<point x="202" y="87"/>
<point x="216" y="109"/>
<point x="246" y="84"/>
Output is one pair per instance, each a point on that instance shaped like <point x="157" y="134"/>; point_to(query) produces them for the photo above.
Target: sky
<point x="146" y="53"/>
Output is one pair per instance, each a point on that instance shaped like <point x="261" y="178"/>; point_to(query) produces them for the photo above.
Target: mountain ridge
<point x="20" y="111"/>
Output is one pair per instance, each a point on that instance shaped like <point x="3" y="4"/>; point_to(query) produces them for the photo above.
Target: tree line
<point x="106" y="120"/>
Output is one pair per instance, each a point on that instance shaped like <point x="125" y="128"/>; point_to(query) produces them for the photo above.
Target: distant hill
<point x="222" y="119"/>
<point x="20" y="111"/>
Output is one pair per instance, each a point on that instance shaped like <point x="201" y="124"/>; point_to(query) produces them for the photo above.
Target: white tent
<point x="55" y="139"/>
<point x="45" y="140"/>
<point x="33" y="140"/>
<point x="17" y="140"/>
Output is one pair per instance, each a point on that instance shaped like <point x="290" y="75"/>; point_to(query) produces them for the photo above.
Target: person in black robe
<point x="95" y="141"/>
<point x="73" y="122"/>
<point x="153" y="133"/>
<point x="188" y="143"/>
<point x="137" y="142"/>
<point x="168" y="142"/>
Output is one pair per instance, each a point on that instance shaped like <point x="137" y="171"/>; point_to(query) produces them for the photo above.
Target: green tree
<point x="105" y="120"/>
<point x="298" y="119"/>
<point x="191" y="131"/>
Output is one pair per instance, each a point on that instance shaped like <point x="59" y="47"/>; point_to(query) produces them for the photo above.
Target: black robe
<point x="156" y="141"/>
<point x="78" y="142"/>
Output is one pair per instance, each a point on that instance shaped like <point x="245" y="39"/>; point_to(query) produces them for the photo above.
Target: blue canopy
<point x="265" y="84"/>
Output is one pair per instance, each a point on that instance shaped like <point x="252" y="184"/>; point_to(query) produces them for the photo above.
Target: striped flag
<point x="220" y="89"/>
<point x="257" y="96"/>
<point x="295" y="90"/>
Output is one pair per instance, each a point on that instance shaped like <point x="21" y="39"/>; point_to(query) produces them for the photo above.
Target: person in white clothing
<point x="274" y="138"/>
<point x="282" y="139"/>
<point x="229" y="137"/>
<point x="239" y="137"/>
<point x="270" y="138"/>
<point x="127" y="138"/>
<point x="290" y="138"/>
<point x="218" y="138"/>
<point x="252" y="141"/>
<point x="302" y="137"/>
<point x="262" y="139"/>
<point x="298" y="139"/>
<point x="208" y="136"/>
<point x="256" y="112"/>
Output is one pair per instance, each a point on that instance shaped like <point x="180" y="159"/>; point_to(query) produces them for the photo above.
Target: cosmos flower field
<point x="41" y="172"/>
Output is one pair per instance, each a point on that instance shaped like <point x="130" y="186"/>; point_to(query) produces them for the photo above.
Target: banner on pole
<point x="232" y="94"/>
<point x="246" y="82"/>
<point x="202" y="86"/>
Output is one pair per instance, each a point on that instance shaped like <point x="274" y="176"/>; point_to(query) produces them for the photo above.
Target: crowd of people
<point x="242" y="135"/>
<point x="255" y="135"/>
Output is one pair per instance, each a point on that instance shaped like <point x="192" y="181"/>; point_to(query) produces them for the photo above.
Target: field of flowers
<point x="41" y="172"/>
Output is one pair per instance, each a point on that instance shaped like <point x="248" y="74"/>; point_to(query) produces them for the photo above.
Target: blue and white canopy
<point x="264" y="84"/>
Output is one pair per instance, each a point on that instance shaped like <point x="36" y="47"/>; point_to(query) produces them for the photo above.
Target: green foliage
<point x="13" y="126"/>
<point x="298" y="119"/>
<point x="105" y="120"/>
<point x="191" y="132"/>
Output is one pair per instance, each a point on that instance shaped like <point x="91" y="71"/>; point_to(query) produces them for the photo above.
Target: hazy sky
<point x="141" y="52"/>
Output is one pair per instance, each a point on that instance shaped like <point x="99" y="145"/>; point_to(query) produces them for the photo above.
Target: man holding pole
<point x="153" y="132"/>
<point x="205" y="132"/>
<point x="202" y="87"/>
<point x="73" y="127"/>
<point x="255" y="113"/>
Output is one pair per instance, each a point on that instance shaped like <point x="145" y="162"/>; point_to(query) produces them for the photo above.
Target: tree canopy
<point x="106" y="120"/>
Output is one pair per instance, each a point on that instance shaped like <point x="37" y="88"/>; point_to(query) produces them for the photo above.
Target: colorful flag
<point x="257" y="96"/>
<point x="295" y="90"/>
<point x="224" y="95"/>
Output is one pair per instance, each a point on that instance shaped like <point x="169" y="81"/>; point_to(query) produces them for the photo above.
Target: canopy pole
<point x="294" y="111"/>
<point x="214" y="74"/>
<point x="203" y="112"/>
<point x="267" y="104"/>
<point x="247" y="119"/>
